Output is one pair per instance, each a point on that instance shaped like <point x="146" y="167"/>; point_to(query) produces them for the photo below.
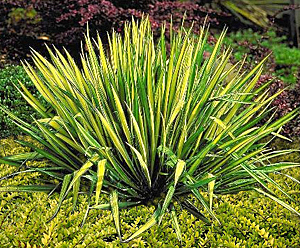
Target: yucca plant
<point x="150" y="127"/>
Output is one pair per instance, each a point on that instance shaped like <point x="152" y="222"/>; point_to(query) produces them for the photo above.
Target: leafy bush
<point x="147" y="128"/>
<point x="247" y="220"/>
<point x="286" y="56"/>
<point x="12" y="99"/>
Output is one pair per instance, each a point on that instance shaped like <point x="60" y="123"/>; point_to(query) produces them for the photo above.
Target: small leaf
<point x="175" y="224"/>
<point x="27" y="188"/>
<point x="75" y="192"/>
<point x="62" y="195"/>
<point x="167" y="202"/>
<point x="211" y="186"/>
<point x="179" y="169"/>
<point x="122" y="205"/>
<point x="277" y="166"/>
<point x="143" y="165"/>
<point x="287" y="206"/>
<point x="81" y="171"/>
<point x="281" y="136"/>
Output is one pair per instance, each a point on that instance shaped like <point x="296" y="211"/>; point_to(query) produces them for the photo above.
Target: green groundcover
<point x="248" y="220"/>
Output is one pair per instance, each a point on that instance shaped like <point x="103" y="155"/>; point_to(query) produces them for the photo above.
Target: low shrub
<point x="13" y="100"/>
<point x="150" y="128"/>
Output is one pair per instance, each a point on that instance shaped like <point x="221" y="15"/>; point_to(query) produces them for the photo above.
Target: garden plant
<point x="148" y="125"/>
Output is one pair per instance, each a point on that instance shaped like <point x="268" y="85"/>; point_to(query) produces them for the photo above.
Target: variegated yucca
<point x="148" y="126"/>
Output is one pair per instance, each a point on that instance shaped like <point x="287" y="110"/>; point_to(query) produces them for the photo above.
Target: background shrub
<point x="283" y="61"/>
<point x="19" y="29"/>
<point x="63" y="22"/>
<point x="31" y="23"/>
<point x="284" y="103"/>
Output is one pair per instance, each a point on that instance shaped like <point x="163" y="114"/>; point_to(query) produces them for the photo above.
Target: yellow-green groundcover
<point x="247" y="219"/>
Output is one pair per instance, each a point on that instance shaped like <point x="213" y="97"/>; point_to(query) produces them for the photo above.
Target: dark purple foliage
<point x="63" y="22"/>
<point x="19" y="28"/>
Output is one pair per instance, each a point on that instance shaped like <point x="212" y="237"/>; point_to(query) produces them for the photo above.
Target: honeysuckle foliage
<point x="150" y="126"/>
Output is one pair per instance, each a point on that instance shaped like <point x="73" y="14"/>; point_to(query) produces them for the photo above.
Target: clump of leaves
<point x="146" y="127"/>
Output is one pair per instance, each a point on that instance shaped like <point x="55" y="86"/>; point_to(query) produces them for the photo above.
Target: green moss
<point x="285" y="55"/>
<point x="247" y="219"/>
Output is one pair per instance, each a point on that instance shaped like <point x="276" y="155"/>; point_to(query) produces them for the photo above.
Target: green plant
<point x="12" y="99"/>
<point x="18" y="15"/>
<point x="147" y="128"/>
<point x="287" y="61"/>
